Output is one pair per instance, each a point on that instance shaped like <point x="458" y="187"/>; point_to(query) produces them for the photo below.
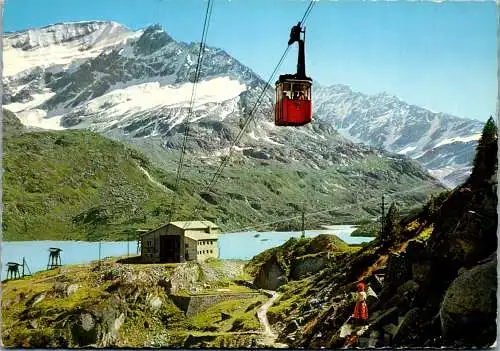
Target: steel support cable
<point x="195" y="82"/>
<point x="308" y="11"/>
<point x="206" y="24"/>
<point x="251" y="116"/>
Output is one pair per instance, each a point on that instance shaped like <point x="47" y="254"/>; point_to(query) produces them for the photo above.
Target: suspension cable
<point x="196" y="77"/>
<point x="251" y="115"/>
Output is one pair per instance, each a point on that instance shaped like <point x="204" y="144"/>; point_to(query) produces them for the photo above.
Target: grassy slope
<point x="80" y="185"/>
<point x="97" y="290"/>
<point x="75" y="185"/>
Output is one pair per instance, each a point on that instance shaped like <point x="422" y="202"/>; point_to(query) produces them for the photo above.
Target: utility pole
<point x="128" y="243"/>
<point x="382" y="219"/>
<point x="303" y="223"/>
<point x="99" y="253"/>
<point x="25" y="264"/>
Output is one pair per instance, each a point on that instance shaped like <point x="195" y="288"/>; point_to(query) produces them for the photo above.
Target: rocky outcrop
<point x="271" y="275"/>
<point x="435" y="283"/>
<point x="469" y="309"/>
<point x="310" y="264"/>
<point x="192" y="305"/>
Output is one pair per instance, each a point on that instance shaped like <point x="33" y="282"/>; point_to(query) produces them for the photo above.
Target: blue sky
<point x="440" y="56"/>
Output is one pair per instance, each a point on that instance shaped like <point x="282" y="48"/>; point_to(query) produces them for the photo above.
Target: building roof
<point x="186" y="225"/>
<point x="195" y="225"/>
<point x="201" y="236"/>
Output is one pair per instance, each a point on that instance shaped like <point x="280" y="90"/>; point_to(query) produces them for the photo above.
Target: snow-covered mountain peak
<point x="60" y="33"/>
<point x="59" y="44"/>
<point x="138" y="84"/>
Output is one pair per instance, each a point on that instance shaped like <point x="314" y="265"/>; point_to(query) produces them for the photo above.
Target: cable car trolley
<point x="293" y="91"/>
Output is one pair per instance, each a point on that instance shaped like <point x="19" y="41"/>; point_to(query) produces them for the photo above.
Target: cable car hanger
<point x="293" y="91"/>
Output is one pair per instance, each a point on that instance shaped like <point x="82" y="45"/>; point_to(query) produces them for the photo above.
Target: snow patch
<point x="38" y="99"/>
<point x="47" y="51"/>
<point x="36" y="118"/>
<point x="463" y="139"/>
<point x="407" y="149"/>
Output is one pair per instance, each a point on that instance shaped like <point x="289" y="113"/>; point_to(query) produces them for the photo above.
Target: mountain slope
<point x="135" y="86"/>
<point x="432" y="284"/>
<point x="442" y="143"/>
<point x="80" y="185"/>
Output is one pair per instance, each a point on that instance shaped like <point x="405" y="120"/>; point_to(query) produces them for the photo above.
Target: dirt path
<point x="154" y="181"/>
<point x="268" y="336"/>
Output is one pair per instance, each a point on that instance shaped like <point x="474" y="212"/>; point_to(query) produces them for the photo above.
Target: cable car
<point x="293" y="91"/>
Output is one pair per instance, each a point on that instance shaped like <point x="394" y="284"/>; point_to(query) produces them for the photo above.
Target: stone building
<point x="181" y="241"/>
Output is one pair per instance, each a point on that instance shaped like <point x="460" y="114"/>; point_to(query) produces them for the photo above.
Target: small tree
<point x="486" y="152"/>
<point x="392" y="227"/>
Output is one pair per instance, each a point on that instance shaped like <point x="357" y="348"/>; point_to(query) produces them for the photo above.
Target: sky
<point x="441" y="56"/>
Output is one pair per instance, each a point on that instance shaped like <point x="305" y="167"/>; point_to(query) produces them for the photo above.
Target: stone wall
<point x="193" y="305"/>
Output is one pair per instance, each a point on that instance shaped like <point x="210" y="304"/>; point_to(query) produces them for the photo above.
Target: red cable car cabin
<point x="293" y="91"/>
<point x="293" y="101"/>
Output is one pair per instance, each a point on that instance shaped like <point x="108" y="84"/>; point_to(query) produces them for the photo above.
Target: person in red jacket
<point x="360" y="314"/>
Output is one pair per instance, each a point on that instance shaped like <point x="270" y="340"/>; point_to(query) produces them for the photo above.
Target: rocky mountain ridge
<point x="419" y="275"/>
<point x="135" y="86"/>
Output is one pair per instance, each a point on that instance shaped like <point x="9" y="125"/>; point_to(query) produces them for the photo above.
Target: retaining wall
<point x="193" y="305"/>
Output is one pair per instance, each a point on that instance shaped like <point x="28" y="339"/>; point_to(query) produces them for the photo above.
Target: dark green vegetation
<point x="434" y="272"/>
<point x="123" y="305"/>
<point x="370" y="229"/>
<point x="77" y="185"/>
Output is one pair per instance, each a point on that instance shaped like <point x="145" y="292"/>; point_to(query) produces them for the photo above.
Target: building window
<point x="187" y="246"/>
<point x="211" y="251"/>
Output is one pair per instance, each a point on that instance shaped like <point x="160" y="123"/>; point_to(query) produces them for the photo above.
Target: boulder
<point x="306" y="265"/>
<point x="420" y="271"/>
<point x="468" y="310"/>
<point x="84" y="330"/>
<point x="71" y="289"/>
<point x="270" y="276"/>
<point x="467" y="232"/>
<point x="381" y="317"/>
<point x="374" y="282"/>
<point x="398" y="270"/>
<point x="409" y="329"/>
<point x="415" y="250"/>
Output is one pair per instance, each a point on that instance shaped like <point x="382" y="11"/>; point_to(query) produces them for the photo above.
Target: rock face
<point x="308" y="265"/>
<point x="271" y="276"/>
<point x="469" y="309"/>
<point x="436" y="283"/>
<point x="443" y="144"/>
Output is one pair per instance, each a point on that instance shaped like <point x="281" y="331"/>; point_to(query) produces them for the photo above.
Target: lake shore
<point x="242" y="246"/>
